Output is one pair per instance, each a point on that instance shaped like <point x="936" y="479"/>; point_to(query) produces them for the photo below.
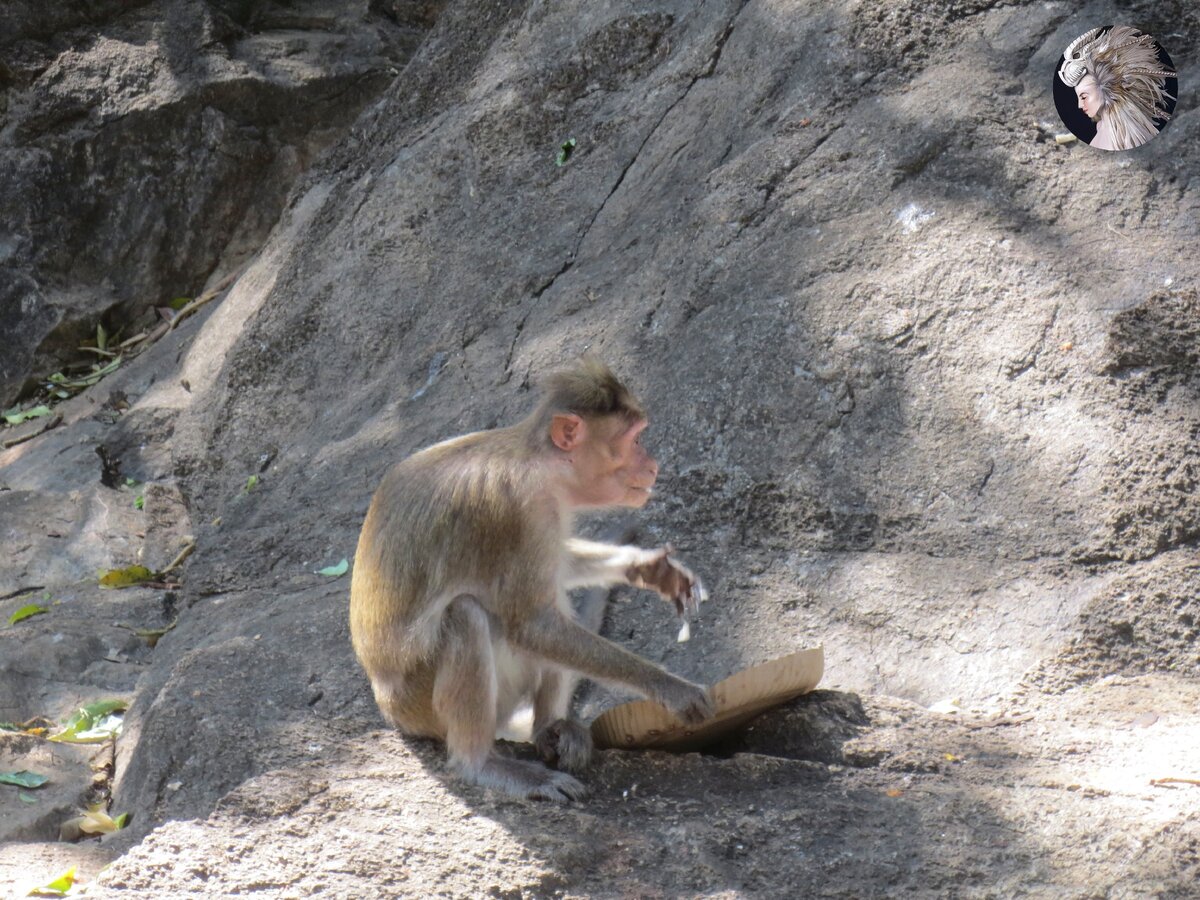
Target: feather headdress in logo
<point x="1130" y="77"/>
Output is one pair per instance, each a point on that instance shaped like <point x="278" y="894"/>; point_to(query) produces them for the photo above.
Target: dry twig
<point x="178" y="560"/>
<point x="202" y="299"/>
<point x="166" y="328"/>
<point x="53" y="422"/>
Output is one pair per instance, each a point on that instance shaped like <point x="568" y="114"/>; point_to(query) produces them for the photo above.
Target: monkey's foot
<point x="565" y="744"/>
<point x="527" y="779"/>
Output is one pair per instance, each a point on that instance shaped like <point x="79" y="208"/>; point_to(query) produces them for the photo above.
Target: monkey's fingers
<point x="702" y="709"/>
<point x="558" y="787"/>
<point x="686" y="588"/>
<point x="695" y="706"/>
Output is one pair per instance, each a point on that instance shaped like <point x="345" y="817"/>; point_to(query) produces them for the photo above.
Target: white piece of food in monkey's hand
<point x="685" y="632"/>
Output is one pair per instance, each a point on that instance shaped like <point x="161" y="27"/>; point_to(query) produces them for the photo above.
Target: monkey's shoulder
<point x="475" y="473"/>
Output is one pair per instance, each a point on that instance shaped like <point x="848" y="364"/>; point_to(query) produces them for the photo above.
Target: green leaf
<point x="94" y="821"/>
<point x="120" y="820"/>
<point x="335" y="571"/>
<point x="25" y="612"/>
<point x="130" y="482"/>
<point x="123" y="578"/>
<point x="56" y="888"/>
<point x="9" y="726"/>
<point x="26" y="798"/>
<point x="251" y="484"/>
<point x="104" y="729"/>
<point x="179" y="303"/>
<point x="101" y="337"/>
<point x="565" y="151"/>
<point x="16" y="416"/>
<point x="102" y="708"/>
<point x="62" y="381"/>
<point x="139" y="502"/>
<point x="23" y="779"/>
<point x="93" y="723"/>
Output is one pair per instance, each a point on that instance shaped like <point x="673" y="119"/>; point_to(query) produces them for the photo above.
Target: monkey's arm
<point x="593" y="563"/>
<point x="553" y="637"/>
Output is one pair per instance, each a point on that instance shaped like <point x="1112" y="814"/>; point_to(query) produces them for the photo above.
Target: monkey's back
<point x="448" y="520"/>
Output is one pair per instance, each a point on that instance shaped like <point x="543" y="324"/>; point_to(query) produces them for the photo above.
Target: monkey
<point x="459" y="610"/>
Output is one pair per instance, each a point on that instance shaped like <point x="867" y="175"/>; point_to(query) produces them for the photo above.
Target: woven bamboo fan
<point x="739" y="698"/>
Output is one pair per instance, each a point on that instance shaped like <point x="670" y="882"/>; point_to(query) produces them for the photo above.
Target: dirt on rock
<point x="923" y="385"/>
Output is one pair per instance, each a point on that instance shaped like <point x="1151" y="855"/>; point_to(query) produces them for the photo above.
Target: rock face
<point x="144" y="145"/>
<point x="923" y="385"/>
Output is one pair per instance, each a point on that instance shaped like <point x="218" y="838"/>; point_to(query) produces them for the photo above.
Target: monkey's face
<point x="609" y="465"/>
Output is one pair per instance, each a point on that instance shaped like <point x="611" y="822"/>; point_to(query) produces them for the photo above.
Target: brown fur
<point x="458" y="610"/>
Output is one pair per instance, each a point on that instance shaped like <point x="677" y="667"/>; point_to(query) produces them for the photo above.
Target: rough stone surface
<point x="923" y="386"/>
<point x="145" y="144"/>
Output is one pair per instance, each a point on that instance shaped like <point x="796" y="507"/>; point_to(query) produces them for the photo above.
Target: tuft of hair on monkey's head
<point x="590" y="390"/>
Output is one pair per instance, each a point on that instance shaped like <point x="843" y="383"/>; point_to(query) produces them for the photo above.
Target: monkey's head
<point x="594" y="424"/>
<point x="609" y="465"/>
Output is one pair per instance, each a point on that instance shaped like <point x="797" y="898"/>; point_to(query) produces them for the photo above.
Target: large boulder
<point x="143" y="145"/>
<point x="922" y="384"/>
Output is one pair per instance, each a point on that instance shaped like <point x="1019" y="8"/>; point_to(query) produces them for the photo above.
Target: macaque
<point x="458" y="604"/>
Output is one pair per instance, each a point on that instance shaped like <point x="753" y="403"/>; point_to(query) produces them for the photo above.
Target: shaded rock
<point x="83" y="649"/>
<point x="815" y="726"/>
<point x="68" y="767"/>
<point x="286" y="666"/>
<point x="168" y="527"/>
<point x="143" y="144"/>
<point x="901" y="401"/>
<point x="63" y="539"/>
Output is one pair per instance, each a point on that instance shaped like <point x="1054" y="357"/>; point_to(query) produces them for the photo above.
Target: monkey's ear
<point x="567" y="431"/>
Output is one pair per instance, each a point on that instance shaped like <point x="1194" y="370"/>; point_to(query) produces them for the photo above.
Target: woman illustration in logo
<point x="1120" y="83"/>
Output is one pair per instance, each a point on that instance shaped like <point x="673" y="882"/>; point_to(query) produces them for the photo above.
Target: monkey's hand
<point x="658" y="571"/>
<point x="690" y="703"/>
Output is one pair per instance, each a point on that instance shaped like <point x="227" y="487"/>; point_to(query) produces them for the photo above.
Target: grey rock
<point x="920" y="388"/>
<point x="145" y="145"/>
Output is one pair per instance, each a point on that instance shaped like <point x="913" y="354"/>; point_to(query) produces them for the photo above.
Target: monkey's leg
<point x="562" y="740"/>
<point x="592" y="608"/>
<point x="464" y="701"/>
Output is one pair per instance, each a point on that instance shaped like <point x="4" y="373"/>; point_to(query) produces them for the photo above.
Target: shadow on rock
<point x="825" y="794"/>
